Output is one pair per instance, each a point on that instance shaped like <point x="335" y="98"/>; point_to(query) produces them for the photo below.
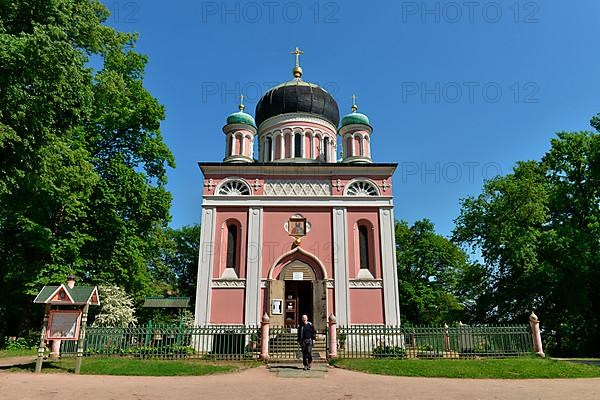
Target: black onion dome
<point x="297" y="96"/>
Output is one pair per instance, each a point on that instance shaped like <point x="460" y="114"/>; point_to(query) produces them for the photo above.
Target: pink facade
<point x="317" y="241"/>
<point x="226" y="217"/>
<point x="369" y="219"/>
<point x="288" y="229"/>
<point x="366" y="306"/>
<point x="227" y="306"/>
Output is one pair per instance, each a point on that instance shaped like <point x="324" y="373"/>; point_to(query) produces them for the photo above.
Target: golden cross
<point x="354" y="106"/>
<point x="242" y="102"/>
<point x="297" y="53"/>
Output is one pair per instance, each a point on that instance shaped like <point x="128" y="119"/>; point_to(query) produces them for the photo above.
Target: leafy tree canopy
<point x="538" y="232"/>
<point x="82" y="160"/>
<point x="429" y="267"/>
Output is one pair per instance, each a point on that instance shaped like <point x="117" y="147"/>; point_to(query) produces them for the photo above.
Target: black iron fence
<point x="156" y="341"/>
<point x="357" y="341"/>
<point x="367" y="341"/>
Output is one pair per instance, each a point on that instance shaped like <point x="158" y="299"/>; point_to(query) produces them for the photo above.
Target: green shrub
<point x="170" y="351"/>
<point x="30" y="341"/>
<point x="389" y="352"/>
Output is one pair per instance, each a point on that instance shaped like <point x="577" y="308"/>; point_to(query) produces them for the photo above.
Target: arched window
<point x="363" y="246"/>
<point x="361" y="188"/>
<point x="297" y="145"/>
<point x="268" y="149"/>
<point x="232" y="246"/>
<point x="228" y="146"/>
<point x="362" y="146"/>
<point x="234" y="187"/>
<point x="239" y="148"/>
<point x="349" y="152"/>
<point x="326" y="149"/>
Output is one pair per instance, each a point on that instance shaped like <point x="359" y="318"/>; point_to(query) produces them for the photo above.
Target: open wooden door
<point x="320" y="305"/>
<point x="276" y="292"/>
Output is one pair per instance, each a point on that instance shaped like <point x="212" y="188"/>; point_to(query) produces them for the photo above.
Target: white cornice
<point x="238" y="127"/>
<point x="267" y="124"/>
<point x="239" y="159"/>
<point x="357" y="159"/>
<point x="365" y="284"/>
<point x="300" y="201"/>
<point x="228" y="283"/>
<point x="299" y="169"/>
<point x="355" y="127"/>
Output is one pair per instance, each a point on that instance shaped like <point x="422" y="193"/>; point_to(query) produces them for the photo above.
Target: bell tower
<point x="355" y="133"/>
<point x="239" y="131"/>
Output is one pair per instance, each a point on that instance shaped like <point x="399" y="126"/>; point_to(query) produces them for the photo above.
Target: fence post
<point x="332" y="336"/>
<point x="446" y="339"/>
<point x="40" y="357"/>
<point x="81" y="339"/>
<point x="264" y="344"/>
<point x="536" y="335"/>
<point x="55" y="349"/>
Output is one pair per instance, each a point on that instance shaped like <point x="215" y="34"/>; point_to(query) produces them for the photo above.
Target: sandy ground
<point x="258" y="383"/>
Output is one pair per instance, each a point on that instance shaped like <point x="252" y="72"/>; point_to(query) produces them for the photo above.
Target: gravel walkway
<point x="259" y="383"/>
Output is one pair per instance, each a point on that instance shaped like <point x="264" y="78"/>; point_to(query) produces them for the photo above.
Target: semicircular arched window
<point x="234" y="188"/>
<point x="362" y="188"/>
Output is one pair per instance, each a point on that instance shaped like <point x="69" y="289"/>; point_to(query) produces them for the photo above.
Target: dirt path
<point x="259" y="383"/>
<point x="20" y="360"/>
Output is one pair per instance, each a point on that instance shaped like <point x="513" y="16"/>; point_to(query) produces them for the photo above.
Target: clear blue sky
<point x="456" y="91"/>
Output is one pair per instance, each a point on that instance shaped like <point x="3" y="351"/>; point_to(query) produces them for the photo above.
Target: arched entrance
<point x="298" y="282"/>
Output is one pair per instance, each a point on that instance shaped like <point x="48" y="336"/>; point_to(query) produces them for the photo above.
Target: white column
<point x="282" y="146"/>
<point x="205" y="265"/>
<point x="312" y="145"/>
<point x="242" y="144"/>
<point x="273" y="145"/>
<point x="292" y="145"/>
<point x="228" y="145"/>
<point x="340" y="265"/>
<point x="391" y="303"/>
<point x="253" y="267"/>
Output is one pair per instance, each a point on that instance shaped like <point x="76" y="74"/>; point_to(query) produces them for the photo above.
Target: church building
<point x="288" y="228"/>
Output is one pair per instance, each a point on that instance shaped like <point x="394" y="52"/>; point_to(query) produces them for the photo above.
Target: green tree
<point x="82" y="160"/>
<point x="429" y="266"/>
<point x="116" y="308"/>
<point x="183" y="261"/>
<point x="175" y="264"/>
<point x="537" y="230"/>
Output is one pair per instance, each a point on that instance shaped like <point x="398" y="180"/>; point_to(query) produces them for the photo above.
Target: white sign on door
<point x="298" y="276"/>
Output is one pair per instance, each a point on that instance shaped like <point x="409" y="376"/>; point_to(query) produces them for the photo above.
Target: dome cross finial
<point x="354" y="106"/>
<point x="297" y="71"/>
<point x="241" y="106"/>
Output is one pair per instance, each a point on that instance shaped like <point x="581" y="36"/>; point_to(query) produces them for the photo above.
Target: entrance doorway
<point x="299" y="295"/>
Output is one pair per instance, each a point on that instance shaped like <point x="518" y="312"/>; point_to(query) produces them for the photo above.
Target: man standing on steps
<point x="306" y="337"/>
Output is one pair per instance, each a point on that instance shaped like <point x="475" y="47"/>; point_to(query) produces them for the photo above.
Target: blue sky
<point x="456" y="91"/>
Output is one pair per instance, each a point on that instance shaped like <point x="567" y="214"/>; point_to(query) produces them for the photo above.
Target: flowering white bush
<point x="116" y="308"/>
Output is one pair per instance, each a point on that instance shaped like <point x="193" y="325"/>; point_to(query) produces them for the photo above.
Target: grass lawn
<point x="510" y="368"/>
<point x="18" y="353"/>
<point x="134" y="367"/>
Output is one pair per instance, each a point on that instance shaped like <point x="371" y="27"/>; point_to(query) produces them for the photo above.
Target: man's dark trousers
<point x="307" y="345"/>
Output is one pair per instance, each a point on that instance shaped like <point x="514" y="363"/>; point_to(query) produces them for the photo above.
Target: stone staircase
<point x="285" y="348"/>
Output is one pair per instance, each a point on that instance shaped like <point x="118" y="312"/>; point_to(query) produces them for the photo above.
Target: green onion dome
<point x="355" y="118"/>
<point x="241" y="117"/>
